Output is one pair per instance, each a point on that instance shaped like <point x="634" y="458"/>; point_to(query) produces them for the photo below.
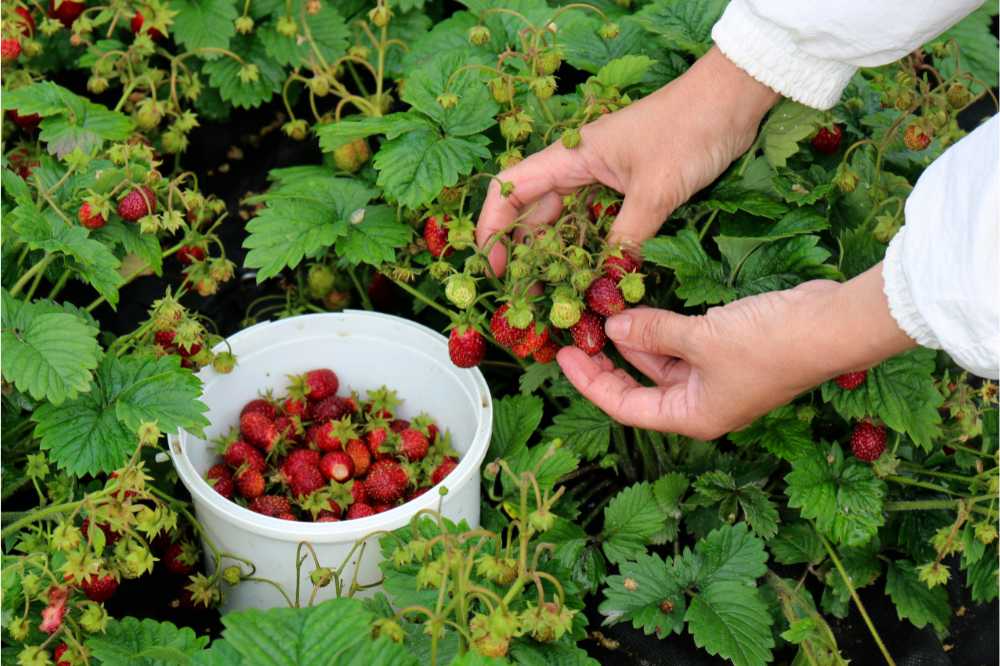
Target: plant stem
<point x="621" y="446"/>
<point x="30" y="274"/>
<point x="902" y="480"/>
<point x="934" y="505"/>
<point x="361" y="291"/>
<point x="857" y="600"/>
<point x="421" y="297"/>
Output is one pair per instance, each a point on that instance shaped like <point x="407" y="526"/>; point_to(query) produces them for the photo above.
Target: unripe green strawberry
<point x="502" y="89"/>
<point x="476" y="264"/>
<point x="243" y="25"/>
<point x="578" y="257"/>
<point x="904" y="100"/>
<point x="447" y="100"/>
<point x="633" y="287"/>
<point x="556" y="272"/>
<point x="958" y="96"/>
<point x="461" y="233"/>
<point x="320" y="280"/>
<point x="571" y="137"/>
<point x="97" y="84"/>
<point x="351" y="156"/>
<point x="564" y="313"/>
<point x="295" y="129"/>
<point x="608" y="31"/>
<point x="379" y="16"/>
<point x="520" y="314"/>
<point x="319" y="85"/>
<point x="439" y="270"/>
<point x="224" y="362"/>
<point x="939" y="119"/>
<point x="581" y="279"/>
<point x="516" y="127"/>
<point x="886" y="227"/>
<point x="479" y="35"/>
<point x="148" y="114"/>
<point x="287" y="26"/>
<point x="543" y="87"/>
<point x="846" y="180"/>
<point x="519" y="269"/>
<point x="509" y="158"/>
<point x="461" y="290"/>
<point x="548" y="61"/>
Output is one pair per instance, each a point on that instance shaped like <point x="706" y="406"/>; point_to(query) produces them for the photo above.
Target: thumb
<point x="643" y="212"/>
<point x="653" y="331"/>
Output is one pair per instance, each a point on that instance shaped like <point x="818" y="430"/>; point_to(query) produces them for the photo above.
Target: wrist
<point x="730" y="87"/>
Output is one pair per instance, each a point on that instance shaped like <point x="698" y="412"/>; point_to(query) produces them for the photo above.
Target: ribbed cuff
<point x="767" y="53"/>
<point x="897" y="293"/>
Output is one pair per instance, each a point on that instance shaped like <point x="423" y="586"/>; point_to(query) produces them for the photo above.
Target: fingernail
<point x="618" y="327"/>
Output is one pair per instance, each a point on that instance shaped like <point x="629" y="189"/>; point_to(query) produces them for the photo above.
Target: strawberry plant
<point x="832" y="528"/>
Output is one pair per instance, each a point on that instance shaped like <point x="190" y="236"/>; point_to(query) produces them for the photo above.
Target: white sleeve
<point x="809" y="49"/>
<point x="941" y="270"/>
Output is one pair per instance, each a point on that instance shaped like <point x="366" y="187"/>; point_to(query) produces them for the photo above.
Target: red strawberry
<point x="306" y="480"/>
<point x="178" y="559"/>
<point x="432" y="432"/>
<point x="596" y="208"/>
<point x="360" y="456"/>
<point x="443" y="470"/>
<point x="28" y="29"/>
<point x="287" y="427"/>
<point x="827" y="139"/>
<point x="89" y="217"/>
<point x="250" y="483"/>
<point x="136" y="24"/>
<point x="466" y="346"/>
<point x="386" y="481"/>
<point x="295" y="407"/>
<point x="99" y="588"/>
<point x="327" y="517"/>
<point x="259" y="430"/>
<point x="110" y="536"/>
<point x="26" y="122"/>
<point x="224" y="487"/>
<point x="138" y="203"/>
<point x="337" y="466"/>
<point x="916" y="138"/>
<point x="504" y="333"/>
<point x="301" y="457"/>
<point x="359" y="510"/>
<point x="358" y="493"/>
<point x="189" y="254"/>
<point x="851" y="380"/>
<point x="868" y="441"/>
<point x="531" y="342"/>
<point x="436" y="237"/>
<point x="378" y="432"/>
<point x="382" y="508"/>
<point x="413" y="444"/>
<point x="261" y="406"/>
<point x="60" y="650"/>
<point x="219" y="471"/>
<point x="67" y="11"/>
<point x="417" y="492"/>
<point x="547" y="353"/>
<point x="588" y="333"/>
<point x="331" y="408"/>
<point x="321" y="383"/>
<point x="399" y="425"/>
<point x="604" y="297"/>
<point x="10" y="49"/>
<point x="618" y="267"/>
<point x="288" y="515"/>
<point x="270" y="505"/>
<point x="165" y="339"/>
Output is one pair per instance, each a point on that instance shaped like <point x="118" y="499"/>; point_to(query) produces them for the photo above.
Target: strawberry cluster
<point x="314" y="455"/>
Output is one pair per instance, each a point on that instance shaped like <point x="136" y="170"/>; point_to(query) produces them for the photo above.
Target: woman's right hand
<point x="657" y="152"/>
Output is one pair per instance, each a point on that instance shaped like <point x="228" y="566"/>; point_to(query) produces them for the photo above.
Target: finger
<point x="643" y="211"/>
<point x="660" y="332"/>
<point x="662" y="370"/>
<point x="620" y="396"/>
<point x="544" y="211"/>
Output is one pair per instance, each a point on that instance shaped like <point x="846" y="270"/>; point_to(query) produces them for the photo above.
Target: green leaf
<point x="731" y="620"/>
<point x="733" y="198"/>
<point x="862" y="565"/>
<point x="625" y="71"/>
<point x="977" y="45"/>
<point x="900" y="391"/>
<point x="586" y="50"/>
<point x="133" y="642"/>
<point x="729" y="554"/>
<point x="308" y="209"/>
<point x="374" y="239"/>
<point x="449" y="35"/>
<point x="415" y="167"/>
<point x="842" y="496"/>
<point x="797" y="543"/>
<point x="783" y="264"/>
<point x="981" y="577"/>
<point x="631" y="519"/>
<point x="683" y="25"/>
<point x="204" y="24"/>
<point x="701" y="280"/>
<point x="49" y="355"/>
<point x="528" y="652"/>
<point x="781" y="432"/>
<point x="667" y="491"/>
<point x="333" y="135"/>
<point x="128" y="236"/>
<point x="915" y="601"/>
<point x="787" y="124"/>
<point x="515" y="419"/>
<point x="68" y="120"/>
<point x="760" y="513"/>
<point x="96" y="431"/>
<point x="328" y="29"/>
<point x="223" y="74"/>
<point x="535" y="376"/>
<point x="46" y="231"/>
<point x="548" y="467"/>
<point x="584" y="428"/>
<point x="641" y="592"/>
<point x="578" y="555"/>
<point x="473" y="114"/>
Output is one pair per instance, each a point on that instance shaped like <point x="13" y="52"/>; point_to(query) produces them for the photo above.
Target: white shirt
<point x="941" y="269"/>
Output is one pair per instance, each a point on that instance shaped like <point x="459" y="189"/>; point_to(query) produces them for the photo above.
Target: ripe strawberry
<point x="306" y="480"/>
<point x="531" y="342"/>
<point x="138" y="203"/>
<point x="295" y="407"/>
<point x="286" y="516"/>
<point x="359" y="510"/>
<point x="417" y="492"/>
<point x="382" y="508"/>
<point x="178" y="559"/>
<point x="443" y="470"/>
<point x="189" y="254"/>
<point x="67" y="11"/>
<point x="337" y="466"/>
<point x="26" y="122"/>
<point x="378" y="432"/>
<point x="360" y="456"/>
<point x="386" y="481"/>
<point x="224" y="487"/>
<point x="413" y="444"/>
<point x="604" y="297"/>
<point x="28" y="29"/>
<point x="10" y="49"/>
<point x="588" y="333"/>
<point x="503" y="332"/>
<point x="827" y="139"/>
<point x="618" y="267"/>
<point x="320" y="383"/>
<point x="547" y="353"/>
<point x="358" y="493"/>
<point x="136" y="24"/>
<point x="597" y="208"/>
<point x="466" y="346"/>
<point x="331" y="408"/>
<point x="89" y="217"/>
<point x="165" y="339"/>
<point x="110" y="536"/>
<point x="916" y="138"/>
<point x="99" y="588"/>
<point x="868" y="441"/>
<point x="261" y="406"/>
<point x="851" y="380"/>
<point x="436" y="237"/>
<point x="326" y="517"/>
<point x="219" y="471"/>
<point x="60" y="650"/>
<point x="270" y="505"/>
<point x="259" y="430"/>
<point x="289" y="428"/>
<point x="302" y="457"/>
<point x="250" y="483"/>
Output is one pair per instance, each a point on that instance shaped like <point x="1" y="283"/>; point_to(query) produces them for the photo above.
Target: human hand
<point x="657" y="152"/>
<point x="717" y="372"/>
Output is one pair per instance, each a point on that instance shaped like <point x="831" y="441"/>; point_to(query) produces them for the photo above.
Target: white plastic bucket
<point x="366" y="350"/>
